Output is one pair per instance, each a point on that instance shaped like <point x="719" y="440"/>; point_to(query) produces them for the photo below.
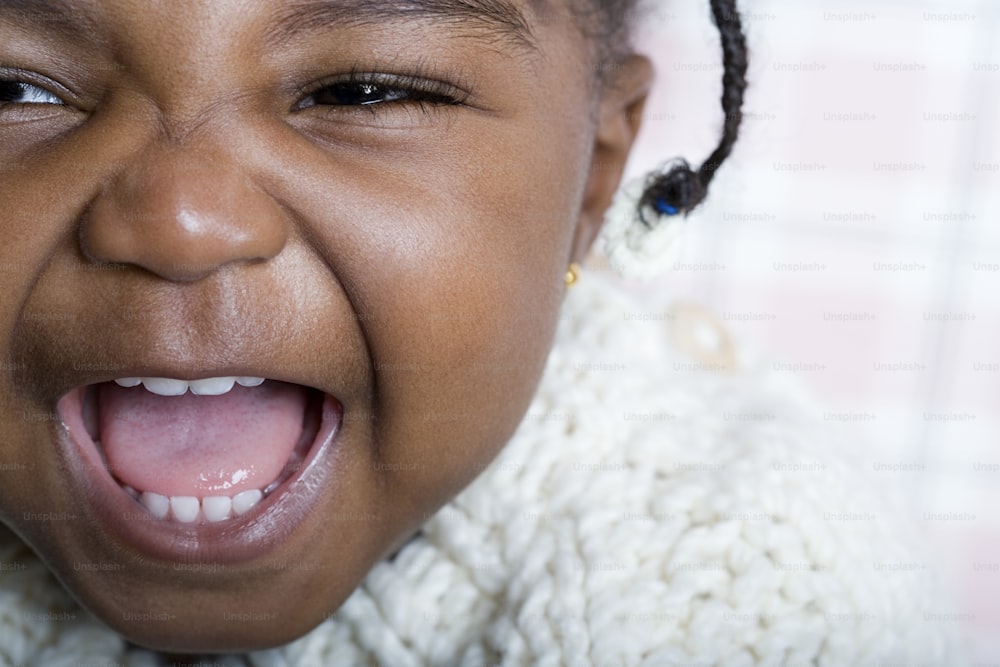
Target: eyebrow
<point x="496" y="18"/>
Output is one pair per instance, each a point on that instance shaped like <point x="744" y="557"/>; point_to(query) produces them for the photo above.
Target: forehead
<point x="514" y="21"/>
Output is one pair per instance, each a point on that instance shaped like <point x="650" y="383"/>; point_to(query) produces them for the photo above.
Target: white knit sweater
<point x="647" y="512"/>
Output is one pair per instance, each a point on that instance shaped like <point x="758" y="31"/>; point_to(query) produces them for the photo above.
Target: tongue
<point x="200" y="446"/>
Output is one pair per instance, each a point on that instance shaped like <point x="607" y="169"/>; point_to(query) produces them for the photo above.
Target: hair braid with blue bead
<point x="678" y="189"/>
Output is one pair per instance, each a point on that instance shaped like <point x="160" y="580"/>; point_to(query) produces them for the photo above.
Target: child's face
<point x="196" y="189"/>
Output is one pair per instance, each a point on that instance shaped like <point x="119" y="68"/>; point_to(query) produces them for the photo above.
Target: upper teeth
<point x="203" y="387"/>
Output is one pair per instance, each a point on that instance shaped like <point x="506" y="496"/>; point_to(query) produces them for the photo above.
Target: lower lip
<point x="274" y="521"/>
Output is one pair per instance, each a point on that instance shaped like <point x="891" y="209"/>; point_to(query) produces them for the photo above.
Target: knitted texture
<point x="635" y="250"/>
<point x="646" y="512"/>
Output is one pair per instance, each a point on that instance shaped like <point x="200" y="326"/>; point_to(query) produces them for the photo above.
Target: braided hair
<point x="679" y="188"/>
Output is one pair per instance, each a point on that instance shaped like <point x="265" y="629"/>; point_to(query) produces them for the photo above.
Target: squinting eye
<point x="360" y="94"/>
<point x="19" y="92"/>
<point x="377" y="91"/>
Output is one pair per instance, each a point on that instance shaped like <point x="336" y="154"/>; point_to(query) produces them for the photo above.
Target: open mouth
<point x="199" y="457"/>
<point x="203" y="451"/>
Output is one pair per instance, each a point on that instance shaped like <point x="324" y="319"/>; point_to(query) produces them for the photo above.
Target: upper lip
<point x="205" y="331"/>
<point x="48" y="373"/>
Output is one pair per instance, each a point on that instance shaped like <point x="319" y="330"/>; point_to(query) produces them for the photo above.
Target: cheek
<point x="454" y="265"/>
<point x="44" y="190"/>
<point x="39" y="192"/>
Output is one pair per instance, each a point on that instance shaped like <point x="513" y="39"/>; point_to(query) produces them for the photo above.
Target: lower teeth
<point x="188" y="509"/>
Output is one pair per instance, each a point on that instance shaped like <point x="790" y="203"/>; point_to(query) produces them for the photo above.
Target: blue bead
<point x="665" y="208"/>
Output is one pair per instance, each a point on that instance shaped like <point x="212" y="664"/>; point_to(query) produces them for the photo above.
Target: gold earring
<point x="572" y="274"/>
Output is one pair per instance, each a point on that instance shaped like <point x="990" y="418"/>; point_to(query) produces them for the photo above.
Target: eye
<point x="358" y="94"/>
<point x="377" y="93"/>
<point x="21" y="92"/>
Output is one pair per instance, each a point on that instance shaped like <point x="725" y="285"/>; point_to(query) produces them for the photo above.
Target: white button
<point x="697" y="333"/>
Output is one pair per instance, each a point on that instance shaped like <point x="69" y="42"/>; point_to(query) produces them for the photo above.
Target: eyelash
<point x="18" y="86"/>
<point x="391" y="91"/>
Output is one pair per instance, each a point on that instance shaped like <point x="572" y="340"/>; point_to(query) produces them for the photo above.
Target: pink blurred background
<point x="857" y="222"/>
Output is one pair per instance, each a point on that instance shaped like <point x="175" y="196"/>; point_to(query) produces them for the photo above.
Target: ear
<point x="619" y="118"/>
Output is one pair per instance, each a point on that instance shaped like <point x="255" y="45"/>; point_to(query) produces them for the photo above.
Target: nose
<point x="182" y="213"/>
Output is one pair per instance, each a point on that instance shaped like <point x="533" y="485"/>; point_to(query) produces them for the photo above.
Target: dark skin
<point x="177" y="197"/>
